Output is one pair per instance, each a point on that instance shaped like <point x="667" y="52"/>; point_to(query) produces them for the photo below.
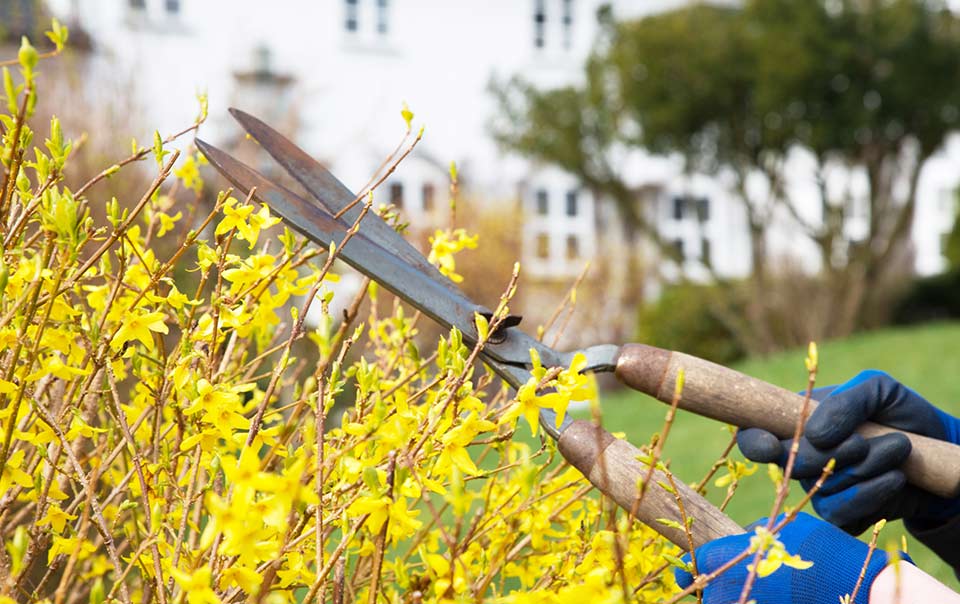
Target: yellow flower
<point x="56" y="518"/>
<point x="259" y="221"/>
<point x="377" y="507"/>
<point x="775" y="554"/>
<point x="245" y="578"/>
<point x="735" y="471"/>
<point x="220" y="407"/>
<point x="12" y="474"/>
<point x="528" y="404"/>
<point x="196" y="585"/>
<point x="454" y="454"/>
<point x="138" y="325"/>
<point x="444" y="244"/>
<point x="167" y="222"/>
<point x="242" y="218"/>
<point x="234" y="217"/>
<point x="54" y="365"/>
<point x="189" y="173"/>
<point x="70" y="545"/>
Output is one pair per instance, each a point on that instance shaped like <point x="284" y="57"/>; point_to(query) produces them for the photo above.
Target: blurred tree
<point x="865" y="87"/>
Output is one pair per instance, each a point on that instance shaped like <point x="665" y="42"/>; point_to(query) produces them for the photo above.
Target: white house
<point x="335" y="73"/>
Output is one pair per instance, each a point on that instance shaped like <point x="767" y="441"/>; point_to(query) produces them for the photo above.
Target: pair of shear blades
<point x="381" y="253"/>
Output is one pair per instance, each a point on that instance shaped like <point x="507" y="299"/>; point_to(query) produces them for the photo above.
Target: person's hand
<point x="866" y="484"/>
<point x="837" y="558"/>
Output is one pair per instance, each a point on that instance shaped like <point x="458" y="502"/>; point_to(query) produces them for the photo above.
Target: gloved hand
<point x="837" y="561"/>
<point x="866" y="484"/>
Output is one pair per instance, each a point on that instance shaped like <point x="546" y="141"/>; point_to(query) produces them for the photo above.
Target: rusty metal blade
<point x="450" y="308"/>
<point x="333" y="194"/>
<point x="307" y="218"/>
<point x="509" y="359"/>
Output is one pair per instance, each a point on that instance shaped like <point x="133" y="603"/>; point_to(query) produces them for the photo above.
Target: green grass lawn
<point x="924" y="358"/>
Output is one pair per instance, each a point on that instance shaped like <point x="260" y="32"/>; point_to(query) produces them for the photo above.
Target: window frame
<point x="678" y="207"/>
<point x="572" y="203"/>
<point x="396" y="194"/>
<point x="566" y="20"/>
<point x="428" y="196"/>
<point x="572" y="246"/>
<point x="351" y="16"/>
<point x="542" y="202"/>
<point x="539" y="24"/>
<point x="542" y="246"/>
<point x="383" y="17"/>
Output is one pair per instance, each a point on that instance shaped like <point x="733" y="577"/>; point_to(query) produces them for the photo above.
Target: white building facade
<point x="335" y="73"/>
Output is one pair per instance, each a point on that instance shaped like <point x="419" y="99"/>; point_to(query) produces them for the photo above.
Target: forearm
<point x="906" y="584"/>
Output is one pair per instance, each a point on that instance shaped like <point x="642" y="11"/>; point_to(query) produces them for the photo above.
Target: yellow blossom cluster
<point x="172" y="431"/>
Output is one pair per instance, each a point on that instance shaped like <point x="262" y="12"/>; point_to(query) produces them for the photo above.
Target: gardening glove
<point x="837" y="561"/>
<point x="867" y="484"/>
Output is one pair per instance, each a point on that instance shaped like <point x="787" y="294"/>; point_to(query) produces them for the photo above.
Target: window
<point x="573" y="247"/>
<point x="543" y="245"/>
<point x="706" y="257"/>
<point x="567" y="20"/>
<point x="543" y="202"/>
<point x="678" y="247"/>
<point x="539" y="23"/>
<point x="428" y="195"/>
<point x="383" y="17"/>
<point x="138" y="4"/>
<point x="678" y="203"/>
<point x="351" y="18"/>
<point x="172" y="6"/>
<point x="396" y="194"/>
<point x="703" y="209"/>
<point x="572" y="203"/>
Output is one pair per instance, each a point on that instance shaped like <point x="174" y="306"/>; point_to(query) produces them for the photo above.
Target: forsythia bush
<point x="159" y="441"/>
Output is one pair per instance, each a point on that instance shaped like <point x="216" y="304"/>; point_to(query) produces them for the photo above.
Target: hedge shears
<point x="613" y="465"/>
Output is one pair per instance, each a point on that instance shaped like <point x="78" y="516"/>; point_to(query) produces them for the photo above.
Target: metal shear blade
<point x="381" y="253"/>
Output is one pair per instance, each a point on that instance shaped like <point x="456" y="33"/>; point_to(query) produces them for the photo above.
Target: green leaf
<point x="677" y="562"/>
<point x="670" y="523"/>
<point x="10" y="91"/>
<point x="667" y="487"/>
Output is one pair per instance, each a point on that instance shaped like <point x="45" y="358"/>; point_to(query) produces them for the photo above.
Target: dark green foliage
<point x="687" y="318"/>
<point x="865" y="88"/>
<point x="930" y="299"/>
<point x="952" y="247"/>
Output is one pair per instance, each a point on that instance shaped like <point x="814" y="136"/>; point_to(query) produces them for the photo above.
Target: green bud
<point x="58" y="34"/>
<point x="18" y="549"/>
<point x="98" y="593"/>
<point x="27" y="56"/>
<point x="371" y="479"/>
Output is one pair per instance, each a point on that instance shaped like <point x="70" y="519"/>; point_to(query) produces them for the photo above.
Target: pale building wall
<point x="346" y="89"/>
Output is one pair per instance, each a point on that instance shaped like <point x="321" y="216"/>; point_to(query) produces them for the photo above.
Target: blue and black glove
<point x="867" y="484"/>
<point x="837" y="561"/>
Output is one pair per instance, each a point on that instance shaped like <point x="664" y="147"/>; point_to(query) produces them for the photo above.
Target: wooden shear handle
<point x="729" y="396"/>
<point x="612" y="465"/>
